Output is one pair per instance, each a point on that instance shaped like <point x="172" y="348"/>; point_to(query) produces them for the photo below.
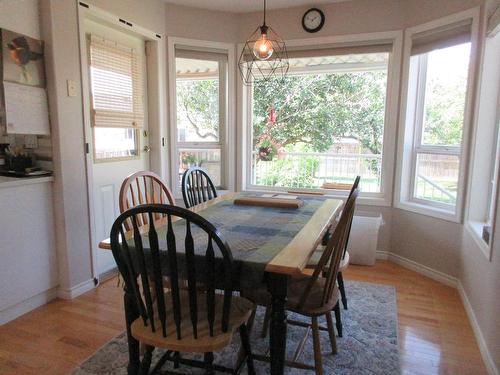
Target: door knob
<point x="146" y="149"/>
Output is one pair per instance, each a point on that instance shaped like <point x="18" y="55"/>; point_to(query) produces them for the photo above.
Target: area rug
<point x="369" y="345"/>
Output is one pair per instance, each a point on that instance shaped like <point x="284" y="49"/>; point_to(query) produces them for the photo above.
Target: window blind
<point x="116" y="84"/>
<point x="442" y="37"/>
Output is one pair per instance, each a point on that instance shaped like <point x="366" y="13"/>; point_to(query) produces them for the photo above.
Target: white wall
<point x="21" y="16"/>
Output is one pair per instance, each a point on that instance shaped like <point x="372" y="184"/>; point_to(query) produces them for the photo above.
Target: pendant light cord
<point x="264" y="12"/>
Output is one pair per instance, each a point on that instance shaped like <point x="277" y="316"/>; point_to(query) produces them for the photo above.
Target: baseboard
<point x="382" y="255"/>
<point x="21" y="308"/>
<point x="76" y="290"/>
<point x="455" y="283"/>
<point x="105" y="276"/>
<point x="423" y="270"/>
<point x="483" y="348"/>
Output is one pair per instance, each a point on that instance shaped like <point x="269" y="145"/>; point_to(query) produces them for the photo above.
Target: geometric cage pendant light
<point x="264" y="55"/>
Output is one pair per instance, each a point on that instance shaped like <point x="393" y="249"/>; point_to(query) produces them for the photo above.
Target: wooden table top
<point x="294" y="256"/>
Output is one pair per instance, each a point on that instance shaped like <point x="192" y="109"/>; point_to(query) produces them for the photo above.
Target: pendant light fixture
<point x="264" y="55"/>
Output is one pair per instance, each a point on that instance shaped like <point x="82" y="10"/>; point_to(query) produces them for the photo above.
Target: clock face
<point x="313" y="20"/>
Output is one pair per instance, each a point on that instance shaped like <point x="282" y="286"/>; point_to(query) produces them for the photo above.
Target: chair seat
<point x="313" y="306"/>
<point x="241" y="309"/>
<point x="313" y="261"/>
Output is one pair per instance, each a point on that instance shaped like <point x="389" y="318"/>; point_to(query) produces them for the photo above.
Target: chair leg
<point x="317" y="347"/>
<point x="209" y="361"/>
<point x="340" y="281"/>
<point x="338" y="320"/>
<point x="245" y="342"/>
<point x="265" y="325"/>
<point x="146" y="359"/>
<point x="177" y="356"/>
<point x="331" y="332"/>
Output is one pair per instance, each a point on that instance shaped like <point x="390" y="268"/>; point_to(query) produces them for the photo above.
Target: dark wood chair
<point x="197" y="187"/>
<point x="141" y="188"/>
<point x="316" y="295"/>
<point x="181" y="319"/>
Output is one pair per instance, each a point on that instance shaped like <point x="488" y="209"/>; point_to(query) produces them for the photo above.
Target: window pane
<point x="197" y="100"/>
<point x="115" y="142"/>
<point x="208" y="159"/>
<point x="445" y="90"/>
<point x="317" y="127"/>
<point x="437" y="178"/>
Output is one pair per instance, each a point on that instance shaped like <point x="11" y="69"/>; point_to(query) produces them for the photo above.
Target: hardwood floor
<point x="435" y="336"/>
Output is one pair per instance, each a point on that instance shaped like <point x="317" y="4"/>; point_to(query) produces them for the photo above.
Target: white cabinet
<point x="28" y="258"/>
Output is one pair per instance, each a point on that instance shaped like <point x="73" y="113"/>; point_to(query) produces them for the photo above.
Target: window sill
<point x="475" y="229"/>
<point x="362" y="200"/>
<point x="427" y="210"/>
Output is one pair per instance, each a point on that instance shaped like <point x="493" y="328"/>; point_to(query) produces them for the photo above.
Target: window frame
<point x="406" y="164"/>
<point x="482" y="205"/>
<point x="136" y="60"/>
<point x="384" y="197"/>
<point x="227" y="131"/>
<point x="418" y="146"/>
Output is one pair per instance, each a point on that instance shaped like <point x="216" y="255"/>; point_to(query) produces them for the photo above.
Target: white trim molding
<point x="483" y="348"/>
<point x="76" y="290"/>
<point x="21" y="308"/>
<point x="423" y="270"/>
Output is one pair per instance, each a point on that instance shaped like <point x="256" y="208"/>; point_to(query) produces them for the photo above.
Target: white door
<point x="117" y="130"/>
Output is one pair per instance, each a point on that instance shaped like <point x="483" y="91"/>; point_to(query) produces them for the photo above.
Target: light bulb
<point x="263" y="48"/>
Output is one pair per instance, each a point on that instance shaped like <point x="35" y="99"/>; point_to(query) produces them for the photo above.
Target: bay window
<point x="324" y="123"/>
<point x="436" y="116"/>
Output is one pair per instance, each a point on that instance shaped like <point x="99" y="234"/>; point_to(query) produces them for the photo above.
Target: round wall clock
<point x="313" y="20"/>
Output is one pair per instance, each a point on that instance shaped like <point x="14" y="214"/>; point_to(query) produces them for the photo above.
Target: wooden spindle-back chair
<point x="317" y="294"/>
<point x="180" y="319"/>
<point x="143" y="187"/>
<point x="345" y="256"/>
<point x="197" y="187"/>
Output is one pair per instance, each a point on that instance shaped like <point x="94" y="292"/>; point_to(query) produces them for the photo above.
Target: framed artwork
<point x="22" y="59"/>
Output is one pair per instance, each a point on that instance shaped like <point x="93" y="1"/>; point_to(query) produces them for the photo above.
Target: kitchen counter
<point x="15" y="181"/>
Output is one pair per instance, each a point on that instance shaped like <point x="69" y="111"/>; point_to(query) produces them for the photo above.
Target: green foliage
<point x="198" y="103"/>
<point x="290" y="173"/>
<point x="444" y="111"/>
<point x="315" y="109"/>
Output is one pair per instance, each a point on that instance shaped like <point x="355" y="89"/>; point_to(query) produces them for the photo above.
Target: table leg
<point x="277" y="286"/>
<point x="131" y="314"/>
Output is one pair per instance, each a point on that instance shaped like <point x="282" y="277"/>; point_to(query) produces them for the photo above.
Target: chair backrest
<point x="141" y="188"/>
<point x="149" y="258"/>
<point x="324" y="241"/>
<point x="332" y="255"/>
<point x="354" y="187"/>
<point x="197" y="187"/>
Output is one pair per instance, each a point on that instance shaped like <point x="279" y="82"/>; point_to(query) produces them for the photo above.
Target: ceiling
<point x="243" y="6"/>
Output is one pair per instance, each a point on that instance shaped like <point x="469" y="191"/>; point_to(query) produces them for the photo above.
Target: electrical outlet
<point x="30" y="141"/>
<point x="71" y="85"/>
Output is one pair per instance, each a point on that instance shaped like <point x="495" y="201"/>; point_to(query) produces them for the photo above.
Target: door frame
<point x="156" y="103"/>
<point x="228" y="162"/>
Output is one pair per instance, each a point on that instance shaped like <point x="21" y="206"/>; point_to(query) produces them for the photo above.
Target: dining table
<point x="270" y="245"/>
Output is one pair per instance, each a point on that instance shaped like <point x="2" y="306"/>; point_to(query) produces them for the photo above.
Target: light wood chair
<point x="316" y="295"/>
<point x="345" y="257"/>
<point x="197" y="187"/>
<point x="180" y="320"/>
<point x="141" y="188"/>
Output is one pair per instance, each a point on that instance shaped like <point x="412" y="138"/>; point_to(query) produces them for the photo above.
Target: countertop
<point x="15" y="181"/>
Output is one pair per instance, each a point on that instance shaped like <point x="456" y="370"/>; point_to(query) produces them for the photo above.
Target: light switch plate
<point x="71" y="88"/>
